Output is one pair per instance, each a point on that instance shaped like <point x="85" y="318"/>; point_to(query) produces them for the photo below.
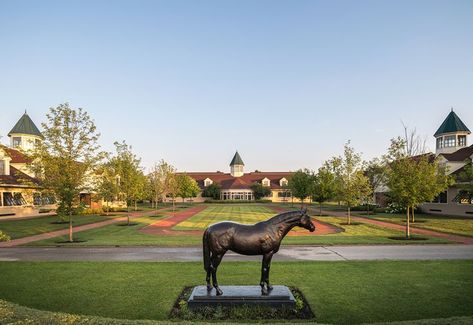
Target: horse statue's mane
<point x="285" y="217"/>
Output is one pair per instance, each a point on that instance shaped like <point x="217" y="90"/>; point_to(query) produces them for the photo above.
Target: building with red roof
<point x="236" y="185"/>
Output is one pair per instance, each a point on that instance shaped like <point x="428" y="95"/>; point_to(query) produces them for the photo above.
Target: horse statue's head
<point x="305" y="221"/>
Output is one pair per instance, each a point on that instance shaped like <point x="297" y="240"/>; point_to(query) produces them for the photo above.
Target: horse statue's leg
<point x="264" y="283"/>
<point x="216" y="259"/>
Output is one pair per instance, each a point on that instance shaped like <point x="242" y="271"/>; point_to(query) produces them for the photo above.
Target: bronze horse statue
<point x="262" y="238"/>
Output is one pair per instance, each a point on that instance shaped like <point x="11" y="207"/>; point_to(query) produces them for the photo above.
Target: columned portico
<point x="236" y="195"/>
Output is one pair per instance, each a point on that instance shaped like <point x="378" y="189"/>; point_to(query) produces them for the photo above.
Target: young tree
<point x="413" y="180"/>
<point x="188" y="187"/>
<point x="173" y="189"/>
<point x="464" y="181"/>
<point x="301" y="184"/>
<point x="66" y="159"/>
<point x="324" y="187"/>
<point x="130" y="178"/>
<point x="375" y="171"/>
<point x="212" y="191"/>
<point x="160" y="180"/>
<point x="107" y="186"/>
<point x="352" y="184"/>
<point x="260" y="191"/>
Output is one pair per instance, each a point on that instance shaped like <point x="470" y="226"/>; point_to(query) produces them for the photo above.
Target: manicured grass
<point x="28" y="227"/>
<point x="339" y="292"/>
<point x="447" y="224"/>
<point x="244" y="213"/>
<point x="117" y="234"/>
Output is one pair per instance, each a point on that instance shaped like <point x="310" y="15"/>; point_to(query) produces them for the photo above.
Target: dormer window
<point x="2" y="167"/>
<point x="265" y="182"/>
<point x="462" y="140"/>
<point x="283" y="182"/>
<point x="208" y="182"/>
<point x="449" y="141"/>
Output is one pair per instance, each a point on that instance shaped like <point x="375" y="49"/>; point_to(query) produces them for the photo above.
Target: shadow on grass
<point x="407" y="238"/>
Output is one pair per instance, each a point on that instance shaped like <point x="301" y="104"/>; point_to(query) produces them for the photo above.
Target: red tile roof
<point x="18" y="178"/>
<point x="459" y="155"/>
<point x="227" y="181"/>
<point x="17" y="157"/>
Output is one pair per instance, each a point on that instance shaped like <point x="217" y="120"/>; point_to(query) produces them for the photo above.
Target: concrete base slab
<point x="280" y="296"/>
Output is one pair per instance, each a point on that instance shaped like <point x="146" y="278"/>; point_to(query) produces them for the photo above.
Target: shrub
<point x="4" y="236"/>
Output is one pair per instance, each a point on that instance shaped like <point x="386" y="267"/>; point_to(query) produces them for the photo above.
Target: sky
<point x="286" y="83"/>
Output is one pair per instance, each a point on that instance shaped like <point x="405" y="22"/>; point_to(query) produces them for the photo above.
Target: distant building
<point x="452" y="149"/>
<point x="19" y="189"/>
<point x="236" y="185"/>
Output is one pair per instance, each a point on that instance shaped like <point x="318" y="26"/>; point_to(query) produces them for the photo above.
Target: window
<point x="283" y="182"/>
<point x="462" y="140"/>
<point x="2" y="167"/>
<point x="265" y="182"/>
<point x="16" y="142"/>
<point x="8" y="199"/>
<point x="207" y="182"/>
<point x="449" y="141"/>
<point x="18" y="199"/>
<point x="439" y="143"/>
<point x="284" y="194"/>
<point x="441" y="198"/>
<point x="37" y="198"/>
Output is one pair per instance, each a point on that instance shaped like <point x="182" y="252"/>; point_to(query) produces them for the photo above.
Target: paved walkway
<point x="287" y="253"/>
<point x="418" y="231"/>
<point x="63" y="232"/>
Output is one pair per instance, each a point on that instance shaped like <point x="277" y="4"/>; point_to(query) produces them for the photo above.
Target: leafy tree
<point x="352" y="185"/>
<point x="173" y="189"/>
<point x="324" y="187"/>
<point x="108" y="183"/>
<point x="4" y="236"/>
<point x="413" y="180"/>
<point x="300" y="184"/>
<point x="375" y="171"/>
<point x="160" y="180"/>
<point x="129" y="174"/>
<point x="464" y="181"/>
<point x="260" y="191"/>
<point x="213" y="191"/>
<point x="188" y="187"/>
<point x="66" y="159"/>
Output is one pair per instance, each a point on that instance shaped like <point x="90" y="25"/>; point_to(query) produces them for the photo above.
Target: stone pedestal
<point x="280" y="296"/>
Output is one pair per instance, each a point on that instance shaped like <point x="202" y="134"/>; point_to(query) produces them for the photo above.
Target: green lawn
<point x="247" y="214"/>
<point x="244" y="213"/>
<point x="28" y="227"/>
<point x="339" y="292"/>
<point x="448" y="224"/>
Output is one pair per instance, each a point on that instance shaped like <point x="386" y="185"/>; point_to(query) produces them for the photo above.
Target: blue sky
<point x="287" y="83"/>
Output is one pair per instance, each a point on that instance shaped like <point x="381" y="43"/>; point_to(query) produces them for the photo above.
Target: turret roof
<point x="451" y="124"/>
<point x="236" y="160"/>
<point x="25" y="126"/>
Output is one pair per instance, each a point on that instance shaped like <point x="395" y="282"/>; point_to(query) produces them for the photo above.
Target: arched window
<point x="265" y="182"/>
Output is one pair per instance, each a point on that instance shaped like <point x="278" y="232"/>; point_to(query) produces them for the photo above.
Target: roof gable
<point x="451" y="124"/>
<point x="25" y="126"/>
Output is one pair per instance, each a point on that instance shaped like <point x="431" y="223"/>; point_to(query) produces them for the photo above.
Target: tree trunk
<point x="320" y="209"/>
<point x="173" y="205"/>
<point x="156" y="205"/>
<point x="70" y="227"/>
<point x="413" y="215"/>
<point x="408" y="230"/>
<point x="128" y="215"/>
<point x="136" y="208"/>
<point x="349" y="216"/>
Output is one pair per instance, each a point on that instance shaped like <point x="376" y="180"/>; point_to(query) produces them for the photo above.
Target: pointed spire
<point x="25" y="126"/>
<point x="452" y="124"/>
<point x="237" y="160"/>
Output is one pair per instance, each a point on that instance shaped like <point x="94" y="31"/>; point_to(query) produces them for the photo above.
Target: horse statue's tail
<point x="206" y="250"/>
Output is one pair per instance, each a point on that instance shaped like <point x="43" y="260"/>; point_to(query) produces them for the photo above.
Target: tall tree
<point x="375" y="171"/>
<point x="413" y="180"/>
<point x="66" y="159"/>
<point x="161" y="177"/>
<point x="301" y="184"/>
<point x="260" y="191"/>
<point x="352" y="185"/>
<point x="188" y="187"/>
<point x="212" y="191"/>
<point x="324" y="187"/>
<point x="130" y="178"/>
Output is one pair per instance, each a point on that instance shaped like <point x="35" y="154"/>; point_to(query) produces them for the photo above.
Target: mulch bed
<point x="180" y="310"/>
